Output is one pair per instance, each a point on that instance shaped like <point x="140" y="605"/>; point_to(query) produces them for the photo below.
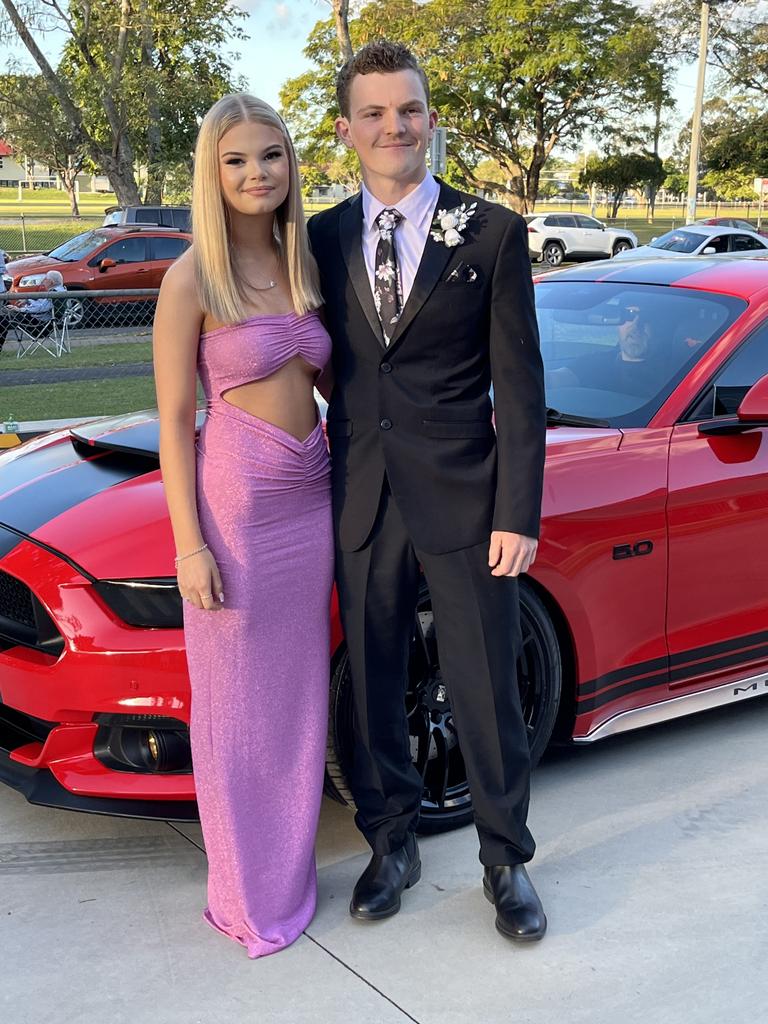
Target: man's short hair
<point x="381" y="56"/>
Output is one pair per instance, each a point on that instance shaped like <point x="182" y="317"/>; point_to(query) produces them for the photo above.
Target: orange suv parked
<point x="124" y="257"/>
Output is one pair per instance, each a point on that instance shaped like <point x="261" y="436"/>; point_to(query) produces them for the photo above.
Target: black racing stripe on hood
<point x="8" y="541"/>
<point x="29" y="507"/>
<point x="21" y="467"/>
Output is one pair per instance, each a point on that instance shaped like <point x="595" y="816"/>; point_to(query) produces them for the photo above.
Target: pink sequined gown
<point x="259" y="668"/>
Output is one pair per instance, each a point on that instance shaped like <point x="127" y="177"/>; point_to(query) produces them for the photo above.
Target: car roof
<point x="710" y="229"/>
<point x="132" y="229"/>
<point x="743" y="278"/>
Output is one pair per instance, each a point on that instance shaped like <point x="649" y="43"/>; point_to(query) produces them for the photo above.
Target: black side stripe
<point x="620" y="675"/>
<point x="591" y="702"/>
<point x="685" y="665"/>
<point x="724" y="661"/>
<point x="711" y="650"/>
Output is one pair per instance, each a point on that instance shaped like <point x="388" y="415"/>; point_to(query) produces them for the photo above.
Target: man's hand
<point x="511" y="553"/>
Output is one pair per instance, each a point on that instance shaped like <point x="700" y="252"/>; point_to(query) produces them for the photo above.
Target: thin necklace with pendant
<point x="263" y="287"/>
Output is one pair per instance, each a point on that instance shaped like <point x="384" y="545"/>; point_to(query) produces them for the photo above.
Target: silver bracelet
<point x="180" y="558"/>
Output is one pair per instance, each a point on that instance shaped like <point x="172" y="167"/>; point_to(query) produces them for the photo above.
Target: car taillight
<point x="532" y="231"/>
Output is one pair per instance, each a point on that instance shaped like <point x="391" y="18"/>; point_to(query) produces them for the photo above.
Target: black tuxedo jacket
<point x="419" y="409"/>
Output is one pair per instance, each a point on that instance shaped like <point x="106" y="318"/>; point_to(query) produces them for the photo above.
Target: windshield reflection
<point x="616" y="352"/>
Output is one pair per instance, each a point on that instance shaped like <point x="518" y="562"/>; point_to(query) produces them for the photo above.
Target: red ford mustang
<point x="648" y="599"/>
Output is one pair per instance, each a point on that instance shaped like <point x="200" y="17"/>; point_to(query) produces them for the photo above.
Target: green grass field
<point x="76" y="398"/>
<point x="84" y="355"/>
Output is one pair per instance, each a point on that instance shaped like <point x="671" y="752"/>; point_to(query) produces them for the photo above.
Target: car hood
<point x="31" y="264"/>
<point x="94" y="493"/>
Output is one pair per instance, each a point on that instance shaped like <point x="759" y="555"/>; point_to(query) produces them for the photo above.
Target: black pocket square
<point x="462" y="273"/>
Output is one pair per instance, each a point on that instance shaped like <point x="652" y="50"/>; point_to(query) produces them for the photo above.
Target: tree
<point x="741" y="150"/>
<point x="511" y="79"/>
<point x="734" y="145"/>
<point x="133" y="75"/>
<point x="618" y="172"/>
<point x="340" y="10"/>
<point x="32" y="121"/>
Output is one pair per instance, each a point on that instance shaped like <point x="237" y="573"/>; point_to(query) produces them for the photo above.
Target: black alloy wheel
<point x="446" y="801"/>
<point x="553" y="254"/>
<point x="621" y="246"/>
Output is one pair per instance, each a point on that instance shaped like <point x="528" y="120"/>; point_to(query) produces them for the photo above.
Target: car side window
<point x="166" y="248"/>
<point x="567" y="220"/>
<point x="147" y="215"/>
<point x="127" y="250"/>
<point x="553" y="221"/>
<point x="745" y="243"/>
<point x="719" y="243"/>
<point x="726" y="392"/>
<point x="587" y="222"/>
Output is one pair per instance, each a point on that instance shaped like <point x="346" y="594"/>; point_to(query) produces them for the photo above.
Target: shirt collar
<point x="416" y="207"/>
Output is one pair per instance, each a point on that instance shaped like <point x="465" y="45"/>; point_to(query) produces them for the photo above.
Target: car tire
<point x="621" y="246"/>
<point x="446" y="801"/>
<point x="77" y="308"/>
<point x="553" y="254"/>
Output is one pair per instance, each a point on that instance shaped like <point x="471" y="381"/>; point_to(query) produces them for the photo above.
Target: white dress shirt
<point x="410" y="237"/>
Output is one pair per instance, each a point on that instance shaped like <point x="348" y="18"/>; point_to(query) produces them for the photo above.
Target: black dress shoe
<point x="379" y="888"/>
<point x="519" y="913"/>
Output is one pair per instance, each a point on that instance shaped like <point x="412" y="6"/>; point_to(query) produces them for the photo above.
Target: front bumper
<point x="52" y="691"/>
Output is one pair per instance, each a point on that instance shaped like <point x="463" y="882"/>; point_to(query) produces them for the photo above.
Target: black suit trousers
<point x="477" y="625"/>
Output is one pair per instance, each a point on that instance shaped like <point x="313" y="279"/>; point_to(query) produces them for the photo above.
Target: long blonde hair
<point x="221" y="291"/>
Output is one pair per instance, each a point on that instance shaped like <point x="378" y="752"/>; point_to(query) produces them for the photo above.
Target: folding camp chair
<point x="31" y="336"/>
<point x="62" y="318"/>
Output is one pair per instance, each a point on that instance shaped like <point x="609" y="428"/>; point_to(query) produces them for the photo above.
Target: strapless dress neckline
<point x="257" y="316"/>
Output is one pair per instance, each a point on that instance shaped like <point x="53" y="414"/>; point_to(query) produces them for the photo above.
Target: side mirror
<point x="751" y="414"/>
<point x="106" y="263"/>
<point x="754" y="405"/>
<point x="709" y="251"/>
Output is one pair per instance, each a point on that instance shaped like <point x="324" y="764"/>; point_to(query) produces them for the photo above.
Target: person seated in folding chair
<point x="32" y="319"/>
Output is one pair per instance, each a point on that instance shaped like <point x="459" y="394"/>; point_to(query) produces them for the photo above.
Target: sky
<point x="273" y="53"/>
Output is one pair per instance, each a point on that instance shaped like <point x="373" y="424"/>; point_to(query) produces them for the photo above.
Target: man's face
<point x="634" y="335"/>
<point x="389" y="125"/>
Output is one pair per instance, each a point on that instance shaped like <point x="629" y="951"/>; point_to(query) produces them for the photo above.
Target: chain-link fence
<point x="71" y="354"/>
<point x="28" y="234"/>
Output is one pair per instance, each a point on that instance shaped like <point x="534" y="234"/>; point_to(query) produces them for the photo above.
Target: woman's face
<point x="253" y="168"/>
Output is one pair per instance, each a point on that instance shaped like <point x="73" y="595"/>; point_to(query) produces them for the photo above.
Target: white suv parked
<point x="554" y="237"/>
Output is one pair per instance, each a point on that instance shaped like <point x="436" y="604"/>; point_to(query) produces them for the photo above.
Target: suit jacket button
<point x="386" y="367"/>
<point x="386" y="424"/>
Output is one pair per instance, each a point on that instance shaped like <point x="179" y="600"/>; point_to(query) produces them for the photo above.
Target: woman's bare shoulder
<point x="179" y="280"/>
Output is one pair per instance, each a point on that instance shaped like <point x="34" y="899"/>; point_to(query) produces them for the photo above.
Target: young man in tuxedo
<point x="425" y="311"/>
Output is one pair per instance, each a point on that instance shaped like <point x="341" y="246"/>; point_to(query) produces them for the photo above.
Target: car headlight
<point x="153" y="604"/>
<point x="30" y="280"/>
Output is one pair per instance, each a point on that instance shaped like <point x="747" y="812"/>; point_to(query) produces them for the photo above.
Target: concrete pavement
<point x="651" y="864"/>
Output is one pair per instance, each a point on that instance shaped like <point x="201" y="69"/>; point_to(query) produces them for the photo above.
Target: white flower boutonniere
<point x="448" y="224"/>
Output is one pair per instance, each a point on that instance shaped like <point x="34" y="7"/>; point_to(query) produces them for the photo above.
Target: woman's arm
<point x="176" y="336"/>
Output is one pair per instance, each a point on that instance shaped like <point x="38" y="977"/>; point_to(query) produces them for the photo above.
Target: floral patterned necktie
<point x="387" y="289"/>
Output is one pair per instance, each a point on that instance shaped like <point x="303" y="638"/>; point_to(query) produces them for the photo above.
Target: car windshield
<point x="679" y="241"/>
<point x="77" y="248"/>
<point x="615" y="352"/>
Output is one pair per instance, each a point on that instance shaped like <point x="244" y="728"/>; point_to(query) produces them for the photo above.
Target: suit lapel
<point x="350" y="237"/>
<point x="433" y="262"/>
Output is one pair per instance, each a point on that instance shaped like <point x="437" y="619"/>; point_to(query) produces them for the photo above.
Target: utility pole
<point x="693" y="166"/>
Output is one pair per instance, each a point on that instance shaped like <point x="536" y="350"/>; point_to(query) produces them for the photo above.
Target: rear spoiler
<point x="133" y="434"/>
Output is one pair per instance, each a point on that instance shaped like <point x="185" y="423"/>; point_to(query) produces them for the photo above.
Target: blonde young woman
<point x="251" y="517"/>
